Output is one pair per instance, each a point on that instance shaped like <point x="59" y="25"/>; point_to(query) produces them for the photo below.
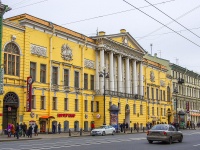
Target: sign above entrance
<point x="29" y="94"/>
<point x="66" y="115"/>
<point x="9" y="108"/>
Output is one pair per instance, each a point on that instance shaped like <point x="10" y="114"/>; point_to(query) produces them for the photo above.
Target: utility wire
<point x="21" y="2"/>
<point x="119" y="12"/>
<point x="170" y="22"/>
<point x="30" y="4"/>
<point x="172" y="19"/>
<point x="161" y="23"/>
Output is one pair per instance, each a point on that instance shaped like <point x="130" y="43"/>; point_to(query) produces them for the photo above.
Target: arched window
<point x="11" y="59"/>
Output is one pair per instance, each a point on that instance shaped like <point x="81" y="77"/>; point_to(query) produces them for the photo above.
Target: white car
<point x="103" y="130"/>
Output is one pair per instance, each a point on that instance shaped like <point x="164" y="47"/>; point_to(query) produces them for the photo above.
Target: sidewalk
<point x="4" y="138"/>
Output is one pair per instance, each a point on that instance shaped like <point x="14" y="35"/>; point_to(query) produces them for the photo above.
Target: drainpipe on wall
<point x="82" y="76"/>
<point x="50" y="73"/>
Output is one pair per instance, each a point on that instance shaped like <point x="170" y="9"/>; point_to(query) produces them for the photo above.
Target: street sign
<point x="9" y="108"/>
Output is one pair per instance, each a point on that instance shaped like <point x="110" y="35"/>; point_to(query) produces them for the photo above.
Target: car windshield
<point x="160" y="127"/>
<point x="101" y="127"/>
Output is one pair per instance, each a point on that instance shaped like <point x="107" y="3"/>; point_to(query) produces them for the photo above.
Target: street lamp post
<point x="104" y="75"/>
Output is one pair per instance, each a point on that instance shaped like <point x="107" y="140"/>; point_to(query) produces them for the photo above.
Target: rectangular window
<point x="141" y="110"/>
<point x="86" y="105"/>
<point x="134" y="108"/>
<point x="66" y="77"/>
<point x="164" y="95"/>
<point x="152" y="110"/>
<point x="92" y="82"/>
<point x="157" y="94"/>
<point x="33" y="102"/>
<point x="55" y="75"/>
<point x="152" y="93"/>
<point x="66" y="104"/>
<point x="161" y="95"/>
<point x="161" y="112"/>
<point x="42" y="73"/>
<point x="85" y="81"/>
<point x="54" y="105"/>
<point x="97" y="106"/>
<point x="42" y="102"/>
<point x="76" y="79"/>
<point x="164" y="111"/>
<point x="157" y="111"/>
<point x="76" y="105"/>
<point x="110" y="103"/>
<point x="148" y="111"/>
<point x="92" y="106"/>
<point x="17" y="65"/>
<point x="33" y="70"/>
<point x="148" y="93"/>
<point x="119" y="106"/>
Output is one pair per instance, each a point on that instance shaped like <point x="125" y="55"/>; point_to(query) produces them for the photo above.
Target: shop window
<point x="11" y="59"/>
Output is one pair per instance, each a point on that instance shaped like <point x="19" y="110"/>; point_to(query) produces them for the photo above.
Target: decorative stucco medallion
<point x="66" y="52"/>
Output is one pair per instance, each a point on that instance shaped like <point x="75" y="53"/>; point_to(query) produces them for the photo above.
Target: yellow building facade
<point x="76" y="80"/>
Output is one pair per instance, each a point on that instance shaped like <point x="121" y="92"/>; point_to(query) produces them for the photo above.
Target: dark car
<point x="164" y="133"/>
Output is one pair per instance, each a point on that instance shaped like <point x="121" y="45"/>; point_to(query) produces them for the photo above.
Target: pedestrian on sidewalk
<point x="137" y="127"/>
<point x="54" y="128"/>
<point x="9" y="130"/>
<point x="36" y="129"/>
<point x="17" y="131"/>
<point x="30" y="130"/>
<point x="59" y="128"/>
<point x="121" y="127"/>
<point x="24" y="129"/>
<point x="134" y="126"/>
<point x="92" y="126"/>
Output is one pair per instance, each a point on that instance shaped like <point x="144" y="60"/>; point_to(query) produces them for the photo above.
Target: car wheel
<point x="170" y="140"/>
<point x="181" y="139"/>
<point x="150" y="141"/>
<point x="103" y="133"/>
<point x="113" y="132"/>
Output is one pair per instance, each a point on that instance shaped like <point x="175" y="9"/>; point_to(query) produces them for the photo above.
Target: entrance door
<point x="66" y="126"/>
<point x="42" y="126"/>
<point x="85" y="125"/>
<point x="54" y="122"/>
<point x="127" y="115"/>
<point x="76" y="126"/>
<point x="10" y="106"/>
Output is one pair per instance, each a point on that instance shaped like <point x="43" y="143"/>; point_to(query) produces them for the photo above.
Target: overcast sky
<point x="89" y="16"/>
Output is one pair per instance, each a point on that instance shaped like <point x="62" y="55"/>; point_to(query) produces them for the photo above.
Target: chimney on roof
<point x="123" y="31"/>
<point x="101" y="33"/>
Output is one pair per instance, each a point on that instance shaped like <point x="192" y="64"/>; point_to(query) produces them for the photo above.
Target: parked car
<point x="165" y="133"/>
<point x="103" y="130"/>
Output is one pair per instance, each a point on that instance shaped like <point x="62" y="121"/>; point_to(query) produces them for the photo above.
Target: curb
<point x="20" y="139"/>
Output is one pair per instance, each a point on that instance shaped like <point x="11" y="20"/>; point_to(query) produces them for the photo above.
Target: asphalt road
<point x="191" y="141"/>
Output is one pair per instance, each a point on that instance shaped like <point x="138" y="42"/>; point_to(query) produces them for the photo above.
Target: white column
<point x="114" y="73"/>
<point x="127" y="76"/>
<point x="101" y="69"/>
<point x="111" y="73"/>
<point x="97" y="70"/>
<point x="119" y="73"/>
<point x="141" y="79"/>
<point x="134" y="77"/>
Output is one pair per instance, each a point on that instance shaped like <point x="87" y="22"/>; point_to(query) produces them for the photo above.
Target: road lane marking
<point x="197" y="145"/>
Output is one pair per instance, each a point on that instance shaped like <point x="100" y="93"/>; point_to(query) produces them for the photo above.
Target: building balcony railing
<point x="123" y="95"/>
